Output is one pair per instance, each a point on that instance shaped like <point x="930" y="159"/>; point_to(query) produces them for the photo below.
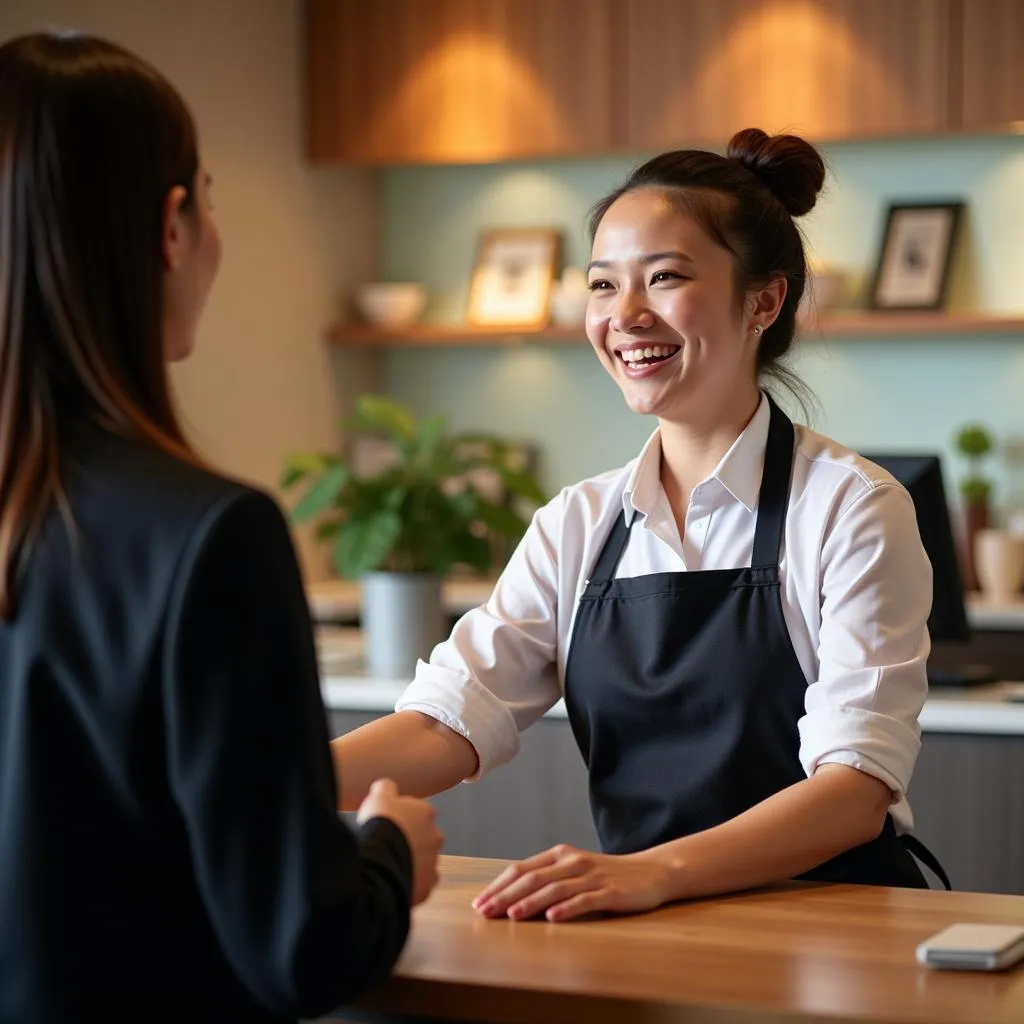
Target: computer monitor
<point x="921" y="475"/>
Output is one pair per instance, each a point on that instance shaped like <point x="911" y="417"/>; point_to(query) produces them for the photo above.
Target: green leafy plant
<point x="974" y="442"/>
<point x="422" y="512"/>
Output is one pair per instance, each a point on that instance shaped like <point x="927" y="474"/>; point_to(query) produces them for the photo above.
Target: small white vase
<point x="569" y="298"/>
<point x="999" y="564"/>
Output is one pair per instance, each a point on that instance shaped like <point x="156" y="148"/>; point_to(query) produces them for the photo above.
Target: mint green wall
<point x="884" y="393"/>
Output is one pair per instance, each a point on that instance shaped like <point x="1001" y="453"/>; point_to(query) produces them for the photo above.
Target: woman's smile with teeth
<point x="649" y="354"/>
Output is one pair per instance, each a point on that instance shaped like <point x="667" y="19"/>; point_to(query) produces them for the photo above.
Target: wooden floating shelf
<point x="451" y="334"/>
<point x="883" y="324"/>
<point x="851" y="324"/>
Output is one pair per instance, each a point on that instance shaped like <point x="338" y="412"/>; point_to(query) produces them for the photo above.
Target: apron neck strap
<point x="772" y="502"/>
<point x="614" y="546"/>
<point x="773" y="497"/>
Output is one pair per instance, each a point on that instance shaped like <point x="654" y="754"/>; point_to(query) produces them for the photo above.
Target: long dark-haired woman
<point x="152" y="618"/>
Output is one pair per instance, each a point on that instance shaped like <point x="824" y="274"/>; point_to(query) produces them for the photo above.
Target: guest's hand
<point x="416" y="820"/>
<point x="563" y="883"/>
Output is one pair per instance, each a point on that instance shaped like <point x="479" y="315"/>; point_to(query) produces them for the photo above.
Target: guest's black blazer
<point x="169" y="846"/>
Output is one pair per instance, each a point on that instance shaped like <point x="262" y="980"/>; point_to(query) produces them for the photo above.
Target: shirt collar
<point x="739" y="471"/>
<point x="644" y="482"/>
<point x="741" y="467"/>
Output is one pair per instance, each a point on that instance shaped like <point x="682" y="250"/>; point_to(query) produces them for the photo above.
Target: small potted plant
<point x="403" y="527"/>
<point x="974" y="442"/>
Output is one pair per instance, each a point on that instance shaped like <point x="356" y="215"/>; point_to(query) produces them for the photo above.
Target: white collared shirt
<point x="856" y="593"/>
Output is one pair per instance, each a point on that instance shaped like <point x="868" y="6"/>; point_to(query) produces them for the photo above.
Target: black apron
<point x="684" y="693"/>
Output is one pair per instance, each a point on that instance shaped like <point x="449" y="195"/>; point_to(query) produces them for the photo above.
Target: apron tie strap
<point x="927" y="858"/>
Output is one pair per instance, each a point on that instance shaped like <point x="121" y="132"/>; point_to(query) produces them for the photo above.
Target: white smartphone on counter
<point x="974" y="947"/>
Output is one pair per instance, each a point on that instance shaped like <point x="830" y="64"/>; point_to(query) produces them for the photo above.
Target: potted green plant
<point x="974" y="442"/>
<point x="403" y="527"/>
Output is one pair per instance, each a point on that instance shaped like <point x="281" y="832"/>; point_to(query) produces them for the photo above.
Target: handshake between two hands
<point x="561" y="883"/>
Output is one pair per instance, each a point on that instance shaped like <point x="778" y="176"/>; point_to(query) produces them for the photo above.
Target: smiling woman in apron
<point x="736" y="619"/>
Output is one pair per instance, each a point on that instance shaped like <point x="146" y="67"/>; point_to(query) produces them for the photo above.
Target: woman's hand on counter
<point x="563" y="883"/>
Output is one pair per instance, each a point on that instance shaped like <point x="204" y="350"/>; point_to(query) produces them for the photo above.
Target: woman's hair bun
<point x="789" y="167"/>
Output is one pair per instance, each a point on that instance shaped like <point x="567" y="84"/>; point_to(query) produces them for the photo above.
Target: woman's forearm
<point x="421" y="755"/>
<point x="787" y="834"/>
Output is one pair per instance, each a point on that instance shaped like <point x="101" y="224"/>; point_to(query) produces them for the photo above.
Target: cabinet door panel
<point x="699" y="71"/>
<point x="457" y="80"/>
<point x="993" y="72"/>
<point x="967" y="795"/>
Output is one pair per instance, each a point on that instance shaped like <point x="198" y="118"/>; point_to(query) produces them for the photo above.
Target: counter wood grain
<point x="789" y="953"/>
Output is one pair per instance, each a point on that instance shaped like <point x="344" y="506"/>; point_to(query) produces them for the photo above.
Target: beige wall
<point x="262" y="382"/>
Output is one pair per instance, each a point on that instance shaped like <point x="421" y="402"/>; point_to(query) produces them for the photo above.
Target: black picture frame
<point x="913" y="267"/>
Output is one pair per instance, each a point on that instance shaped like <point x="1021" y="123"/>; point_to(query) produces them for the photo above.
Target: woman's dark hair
<point x="746" y="201"/>
<point x="91" y="140"/>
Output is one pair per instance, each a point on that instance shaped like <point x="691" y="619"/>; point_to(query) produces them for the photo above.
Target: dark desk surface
<point x="791" y="953"/>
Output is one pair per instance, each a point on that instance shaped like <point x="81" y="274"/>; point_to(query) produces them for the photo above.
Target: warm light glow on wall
<point x="470" y="62"/>
<point x="785" y="38"/>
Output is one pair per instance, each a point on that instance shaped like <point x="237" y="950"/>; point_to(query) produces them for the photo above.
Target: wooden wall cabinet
<point x="429" y="81"/>
<point x="466" y="81"/>
<point x="993" y="63"/>
<point x="827" y="69"/>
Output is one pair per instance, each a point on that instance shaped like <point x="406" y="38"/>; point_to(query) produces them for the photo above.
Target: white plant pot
<point x="403" y="619"/>
<point x="999" y="564"/>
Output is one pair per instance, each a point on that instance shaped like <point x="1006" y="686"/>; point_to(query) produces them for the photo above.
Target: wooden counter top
<point x="791" y="953"/>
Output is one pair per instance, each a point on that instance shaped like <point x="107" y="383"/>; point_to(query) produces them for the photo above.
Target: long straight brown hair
<point x="91" y="140"/>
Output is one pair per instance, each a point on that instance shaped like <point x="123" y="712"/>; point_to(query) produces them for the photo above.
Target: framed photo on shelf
<point x="512" y="279"/>
<point x="912" y="272"/>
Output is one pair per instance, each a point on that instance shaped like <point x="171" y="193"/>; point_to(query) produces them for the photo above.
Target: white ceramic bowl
<point x="391" y="304"/>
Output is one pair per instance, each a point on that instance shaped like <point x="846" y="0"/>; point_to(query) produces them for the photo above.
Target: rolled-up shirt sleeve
<point x="497" y="672"/>
<point x="876" y="590"/>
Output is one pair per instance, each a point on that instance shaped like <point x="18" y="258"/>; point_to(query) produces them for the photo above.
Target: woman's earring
<point x="758" y="330"/>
